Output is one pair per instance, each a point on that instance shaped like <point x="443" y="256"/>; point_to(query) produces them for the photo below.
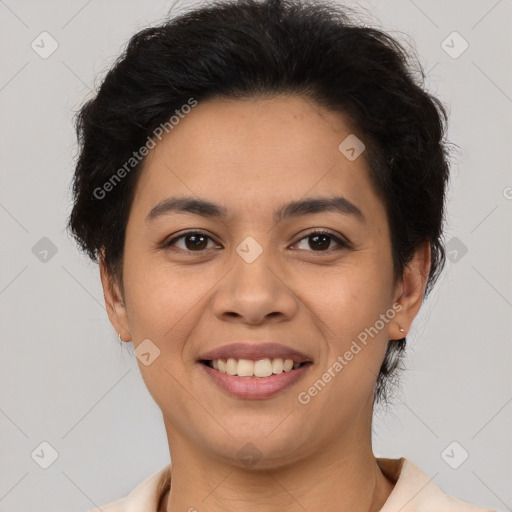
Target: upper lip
<point x="255" y="351"/>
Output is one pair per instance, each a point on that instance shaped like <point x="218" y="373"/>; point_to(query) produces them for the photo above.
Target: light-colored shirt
<point x="414" y="491"/>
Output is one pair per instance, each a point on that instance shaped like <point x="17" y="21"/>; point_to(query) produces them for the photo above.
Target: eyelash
<point x="341" y="243"/>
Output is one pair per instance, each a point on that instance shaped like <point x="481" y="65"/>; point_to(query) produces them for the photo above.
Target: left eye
<point x="194" y="241"/>
<point x="320" y="240"/>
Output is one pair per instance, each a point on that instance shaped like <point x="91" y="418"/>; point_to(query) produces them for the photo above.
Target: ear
<point x="410" y="291"/>
<point x="116" y="308"/>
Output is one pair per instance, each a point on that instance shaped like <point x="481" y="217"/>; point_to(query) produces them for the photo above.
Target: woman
<point x="263" y="186"/>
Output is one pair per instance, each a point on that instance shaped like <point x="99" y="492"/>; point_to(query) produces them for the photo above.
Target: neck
<point x="332" y="479"/>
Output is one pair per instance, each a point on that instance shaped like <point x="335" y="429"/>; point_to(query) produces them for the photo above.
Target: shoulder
<point x="143" y="498"/>
<point x="415" y="491"/>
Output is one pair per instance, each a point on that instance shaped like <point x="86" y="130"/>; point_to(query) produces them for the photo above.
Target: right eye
<point x="193" y="241"/>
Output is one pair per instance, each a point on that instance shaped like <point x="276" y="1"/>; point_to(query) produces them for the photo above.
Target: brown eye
<point x="192" y="241"/>
<point x="317" y="241"/>
<point x="320" y="241"/>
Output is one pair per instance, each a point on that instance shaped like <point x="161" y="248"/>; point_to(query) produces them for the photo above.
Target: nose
<point x="255" y="293"/>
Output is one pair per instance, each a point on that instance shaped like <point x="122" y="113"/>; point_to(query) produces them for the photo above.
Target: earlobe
<point x="115" y="306"/>
<point x="396" y="331"/>
<point x="412" y="290"/>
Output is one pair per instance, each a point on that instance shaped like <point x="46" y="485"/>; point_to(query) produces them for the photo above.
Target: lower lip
<point x="255" y="388"/>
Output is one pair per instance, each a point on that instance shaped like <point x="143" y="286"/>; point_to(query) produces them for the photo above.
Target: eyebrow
<point x="305" y="206"/>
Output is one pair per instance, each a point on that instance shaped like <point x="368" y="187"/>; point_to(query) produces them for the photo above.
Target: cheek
<point x="356" y="310"/>
<point x="165" y="303"/>
<point x="163" y="308"/>
<point x="150" y="301"/>
<point x="349" y="299"/>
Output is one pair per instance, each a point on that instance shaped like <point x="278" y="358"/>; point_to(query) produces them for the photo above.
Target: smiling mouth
<point x="248" y="368"/>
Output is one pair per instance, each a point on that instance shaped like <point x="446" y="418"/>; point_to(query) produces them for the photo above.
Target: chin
<point x="256" y="450"/>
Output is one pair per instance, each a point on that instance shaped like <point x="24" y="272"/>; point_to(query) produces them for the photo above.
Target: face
<point x="248" y="270"/>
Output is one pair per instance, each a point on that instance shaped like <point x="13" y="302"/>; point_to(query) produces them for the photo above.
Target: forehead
<point x="247" y="153"/>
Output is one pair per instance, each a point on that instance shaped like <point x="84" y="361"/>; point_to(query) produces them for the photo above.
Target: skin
<point x="252" y="156"/>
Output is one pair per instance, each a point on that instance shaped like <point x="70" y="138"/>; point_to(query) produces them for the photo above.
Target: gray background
<point x="64" y="378"/>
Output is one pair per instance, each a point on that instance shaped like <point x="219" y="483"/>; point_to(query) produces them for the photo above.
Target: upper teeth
<point x="249" y="368"/>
